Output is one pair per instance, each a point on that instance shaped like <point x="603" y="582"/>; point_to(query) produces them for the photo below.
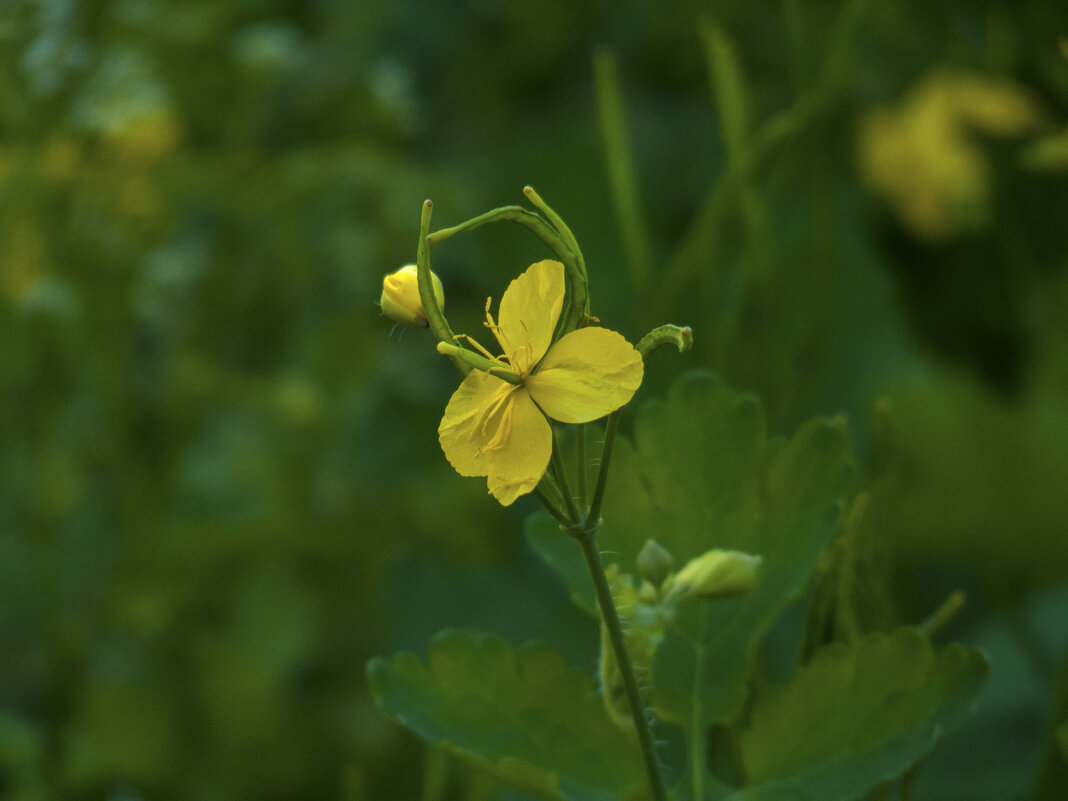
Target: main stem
<point x="588" y="541"/>
<point x="697" y="720"/>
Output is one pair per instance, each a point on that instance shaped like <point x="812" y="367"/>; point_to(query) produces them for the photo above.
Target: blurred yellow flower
<point x="717" y="574"/>
<point x="922" y="154"/>
<point x="498" y="429"/>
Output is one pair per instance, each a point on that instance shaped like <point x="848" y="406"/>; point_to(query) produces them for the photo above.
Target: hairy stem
<point x="593" y="516"/>
<point x="697" y="717"/>
<point x="587" y="538"/>
<point x="561" y="479"/>
<point x="580" y="464"/>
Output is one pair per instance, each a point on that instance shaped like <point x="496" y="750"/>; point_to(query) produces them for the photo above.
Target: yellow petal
<point x="520" y="461"/>
<point x="530" y="308"/>
<point x="492" y="428"/>
<point x="470" y="421"/>
<point x="587" y="374"/>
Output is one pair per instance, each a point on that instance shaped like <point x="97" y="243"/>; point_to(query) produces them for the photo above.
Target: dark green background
<point x="220" y="485"/>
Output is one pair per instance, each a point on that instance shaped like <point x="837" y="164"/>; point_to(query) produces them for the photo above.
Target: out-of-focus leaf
<point x="729" y="87"/>
<point x="526" y="716"/>
<point x="969" y="478"/>
<point x="563" y="555"/>
<point x="856" y="716"/>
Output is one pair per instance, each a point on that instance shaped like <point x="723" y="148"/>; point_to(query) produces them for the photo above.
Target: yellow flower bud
<point x="400" y="296"/>
<point x="718" y="574"/>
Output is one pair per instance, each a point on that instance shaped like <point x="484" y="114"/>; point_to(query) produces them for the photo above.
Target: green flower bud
<point x="654" y="562"/>
<point x="400" y="296"/>
<point x="718" y="574"/>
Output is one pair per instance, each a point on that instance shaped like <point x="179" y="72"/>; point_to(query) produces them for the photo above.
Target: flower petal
<point x="471" y="419"/>
<point x="587" y="374"/>
<point x="492" y="428"/>
<point x="530" y="308"/>
<point x="520" y="462"/>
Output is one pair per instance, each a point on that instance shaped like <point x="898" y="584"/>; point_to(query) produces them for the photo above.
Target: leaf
<point x="533" y="721"/>
<point x="564" y="555"/>
<point x="703" y="474"/>
<point x="543" y="534"/>
<point x="729" y="88"/>
<point x="855" y="716"/>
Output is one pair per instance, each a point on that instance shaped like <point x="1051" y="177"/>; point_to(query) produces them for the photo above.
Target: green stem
<point x="587" y="537"/>
<point x="697" y="717"/>
<point x="558" y="223"/>
<point x="517" y="214"/>
<point x="580" y="463"/>
<point x="561" y="479"/>
<point x="944" y="613"/>
<point x="436" y="774"/>
<point x="480" y="362"/>
<point x="435" y="317"/>
<point x="580" y="291"/>
<point x="593" y="516"/>
<point x="548" y="495"/>
<point x="558" y="239"/>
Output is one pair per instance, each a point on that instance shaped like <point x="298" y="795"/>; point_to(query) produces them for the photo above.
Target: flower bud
<point x="654" y="562"/>
<point x="400" y="296"/>
<point x="718" y="574"/>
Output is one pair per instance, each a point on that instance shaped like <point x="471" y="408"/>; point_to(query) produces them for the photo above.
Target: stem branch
<point x="594" y="515"/>
<point x="580" y="464"/>
<point x="561" y="479"/>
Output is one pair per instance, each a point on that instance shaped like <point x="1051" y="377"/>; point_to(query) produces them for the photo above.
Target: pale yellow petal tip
<point x="507" y="493"/>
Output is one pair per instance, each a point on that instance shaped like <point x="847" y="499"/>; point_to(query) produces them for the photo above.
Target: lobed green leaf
<point x="704" y="474"/>
<point x="855" y="716"/>
<point x="535" y="723"/>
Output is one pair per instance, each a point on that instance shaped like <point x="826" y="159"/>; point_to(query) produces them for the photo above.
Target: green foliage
<point x="526" y="716"/>
<point x="217" y="463"/>
<point x="855" y="716"/>
<point x="704" y="474"/>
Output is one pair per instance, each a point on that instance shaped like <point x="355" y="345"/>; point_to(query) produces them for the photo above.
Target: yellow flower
<point x="498" y="429"/>
<point x="400" y="296"/>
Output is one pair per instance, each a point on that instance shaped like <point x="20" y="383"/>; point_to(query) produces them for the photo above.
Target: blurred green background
<point x="222" y="490"/>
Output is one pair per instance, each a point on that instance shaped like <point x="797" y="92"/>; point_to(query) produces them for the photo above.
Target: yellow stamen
<point x="475" y="344"/>
<point x="491" y="324"/>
